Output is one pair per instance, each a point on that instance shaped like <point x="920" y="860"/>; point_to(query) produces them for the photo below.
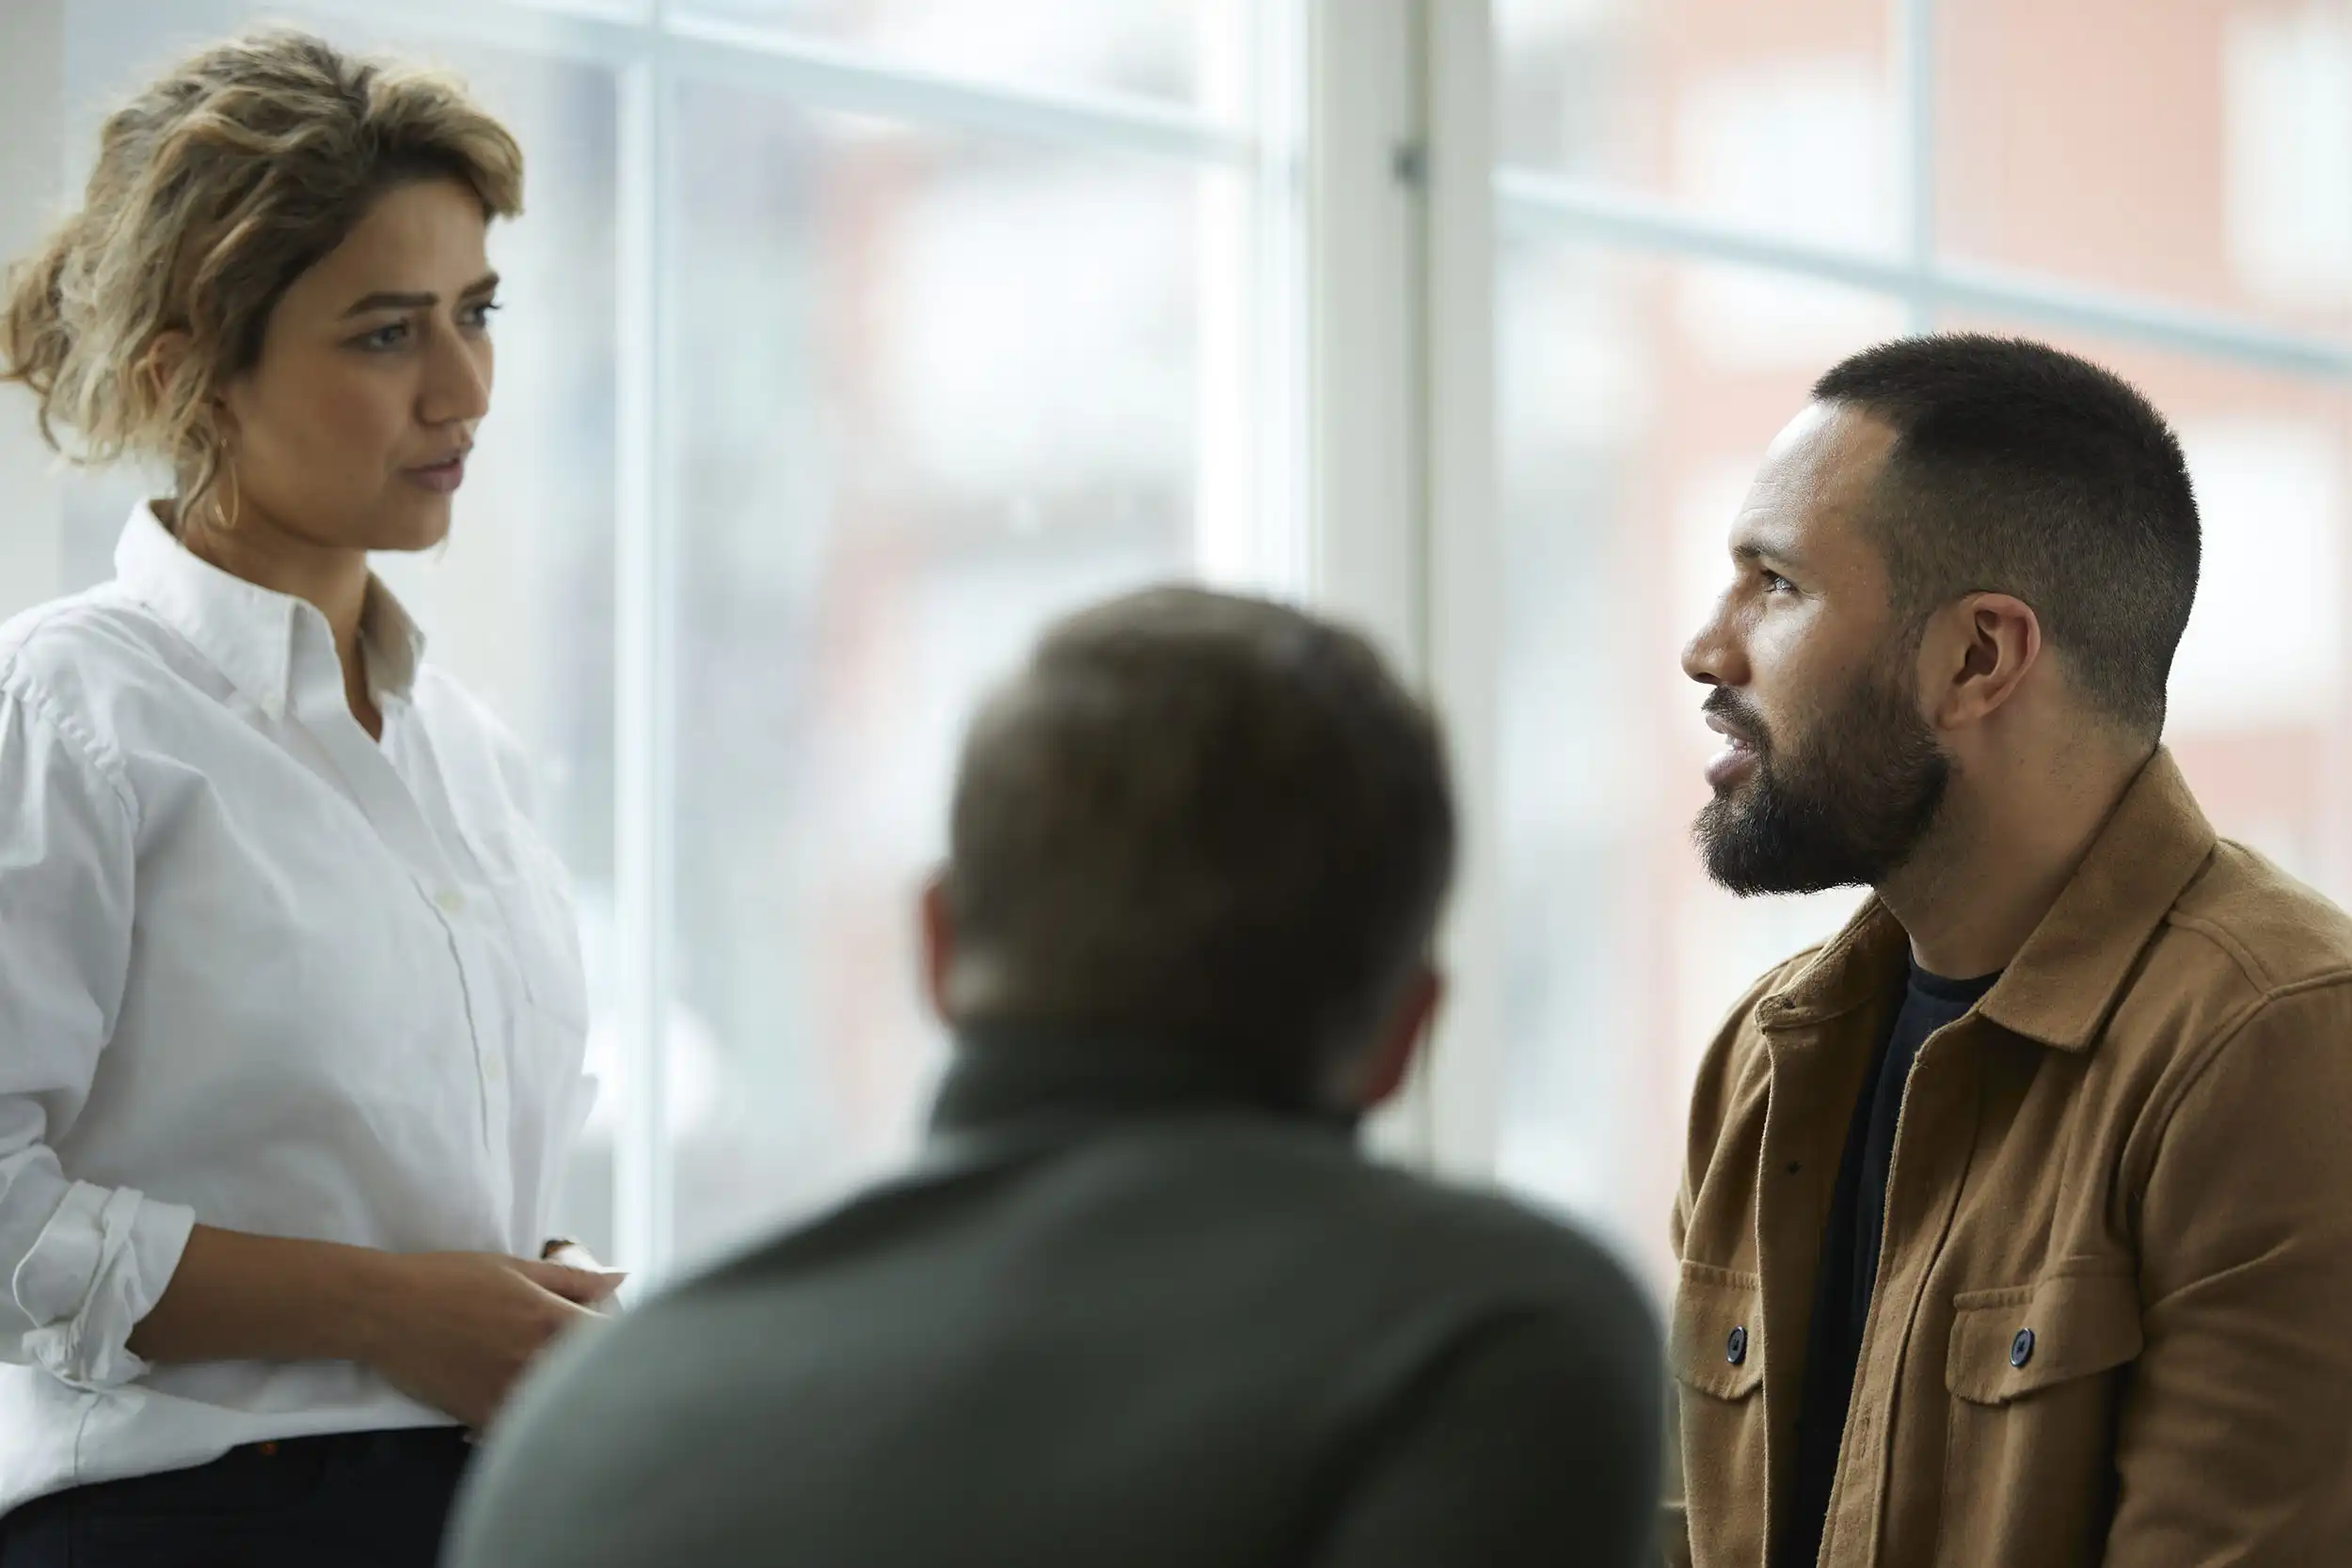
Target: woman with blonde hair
<point x="290" y="1007"/>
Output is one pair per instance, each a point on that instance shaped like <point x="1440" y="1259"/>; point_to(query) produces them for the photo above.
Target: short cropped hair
<point x="2018" y="469"/>
<point x="1201" y="820"/>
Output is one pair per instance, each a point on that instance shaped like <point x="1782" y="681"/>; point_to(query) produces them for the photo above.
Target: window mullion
<point x="1401" y="435"/>
<point x="1364" y="436"/>
<point x="1461" y="559"/>
<point x="644" y="659"/>
<point x="1917" y="46"/>
<point x="33" y="178"/>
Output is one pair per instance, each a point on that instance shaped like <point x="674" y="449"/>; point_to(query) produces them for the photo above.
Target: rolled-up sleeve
<point x="82" y="1264"/>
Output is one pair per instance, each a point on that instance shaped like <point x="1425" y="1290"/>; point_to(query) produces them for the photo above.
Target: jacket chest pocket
<point x="2034" y="1373"/>
<point x="1716" y="1349"/>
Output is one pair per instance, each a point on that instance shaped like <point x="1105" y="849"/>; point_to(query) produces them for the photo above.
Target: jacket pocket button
<point x="2020" y="1348"/>
<point x="1736" y="1347"/>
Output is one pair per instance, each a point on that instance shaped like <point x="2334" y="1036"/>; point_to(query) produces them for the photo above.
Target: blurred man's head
<point x="1205" y="822"/>
<point x="1966" y="551"/>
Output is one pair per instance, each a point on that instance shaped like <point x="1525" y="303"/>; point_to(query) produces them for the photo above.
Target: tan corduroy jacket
<point x="2113" y="1317"/>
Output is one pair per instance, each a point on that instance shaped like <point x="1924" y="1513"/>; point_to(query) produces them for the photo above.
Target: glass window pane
<point x="519" y="604"/>
<point x="2200" y="150"/>
<point x="1777" y="118"/>
<point x="2259" y="716"/>
<point x="1194" y="51"/>
<point x="935" y="390"/>
<point x="1634" y="408"/>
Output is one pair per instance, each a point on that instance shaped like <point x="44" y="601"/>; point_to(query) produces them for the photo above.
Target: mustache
<point x="1738" y="717"/>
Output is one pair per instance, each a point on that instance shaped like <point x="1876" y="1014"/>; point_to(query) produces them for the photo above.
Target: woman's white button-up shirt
<point x="259" y="971"/>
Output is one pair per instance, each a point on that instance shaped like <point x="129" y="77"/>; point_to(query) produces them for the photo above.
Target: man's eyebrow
<point x="1748" y="548"/>
<point x="389" y="301"/>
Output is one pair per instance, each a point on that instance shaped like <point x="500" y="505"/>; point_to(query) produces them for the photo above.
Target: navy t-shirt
<point x="1850" y="1247"/>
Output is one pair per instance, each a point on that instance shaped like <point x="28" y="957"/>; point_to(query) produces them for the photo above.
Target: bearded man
<point x="2016" y="1222"/>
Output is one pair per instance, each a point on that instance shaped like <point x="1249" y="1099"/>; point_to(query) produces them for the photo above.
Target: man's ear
<point x="1400" y="1042"/>
<point x="1975" y="656"/>
<point x="939" y="944"/>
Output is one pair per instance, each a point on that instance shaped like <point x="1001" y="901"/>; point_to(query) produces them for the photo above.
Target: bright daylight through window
<point x="1704" y="206"/>
<point x="849" y="341"/>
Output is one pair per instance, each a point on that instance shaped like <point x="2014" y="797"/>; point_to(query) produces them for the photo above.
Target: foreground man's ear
<point x="938" y="942"/>
<point x="1401" y="1039"/>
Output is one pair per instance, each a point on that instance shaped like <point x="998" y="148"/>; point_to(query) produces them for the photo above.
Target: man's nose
<point x="1711" y="657"/>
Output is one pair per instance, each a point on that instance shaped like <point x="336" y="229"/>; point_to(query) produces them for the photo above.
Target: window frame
<point x="1342" y="261"/>
<point x="1538" y="206"/>
<point x="1378" y="205"/>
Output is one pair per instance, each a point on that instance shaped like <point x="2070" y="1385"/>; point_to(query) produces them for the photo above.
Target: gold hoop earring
<point x="222" y="519"/>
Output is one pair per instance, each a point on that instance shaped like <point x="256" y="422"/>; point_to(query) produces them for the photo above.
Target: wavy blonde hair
<point x="214" y="189"/>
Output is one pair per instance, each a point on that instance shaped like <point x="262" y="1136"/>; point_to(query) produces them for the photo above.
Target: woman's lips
<point x="439" y="478"/>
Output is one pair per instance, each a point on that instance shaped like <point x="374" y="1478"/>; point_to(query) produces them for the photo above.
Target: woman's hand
<point x="456" y="1330"/>
<point x="572" y="1255"/>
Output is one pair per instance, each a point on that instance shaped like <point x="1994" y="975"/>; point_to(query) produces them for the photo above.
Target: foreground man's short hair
<point x="1199" y="816"/>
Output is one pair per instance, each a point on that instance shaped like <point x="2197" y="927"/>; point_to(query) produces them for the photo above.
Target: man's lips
<point x="1728" y="766"/>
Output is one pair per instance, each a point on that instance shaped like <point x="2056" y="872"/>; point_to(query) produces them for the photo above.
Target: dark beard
<point x="1845" y="807"/>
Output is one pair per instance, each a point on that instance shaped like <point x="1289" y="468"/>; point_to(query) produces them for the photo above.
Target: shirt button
<point x="2020" y="1348"/>
<point x="451" y="900"/>
<point x="496" y="1072"/>
<point x="1736" y="1347"/>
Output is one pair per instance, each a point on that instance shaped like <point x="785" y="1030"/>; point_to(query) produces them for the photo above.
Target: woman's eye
<point x="390" y="335"/>
<point x="478" y="315"/>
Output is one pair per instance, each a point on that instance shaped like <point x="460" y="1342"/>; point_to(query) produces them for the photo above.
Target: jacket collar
<point x="1002" y="1076"/>
<point x="248" y="632"/>
<point x="2067" y="978"/>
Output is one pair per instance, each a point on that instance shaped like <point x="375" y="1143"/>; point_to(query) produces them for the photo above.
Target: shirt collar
<point x="2067" y="978"/>
<point x="395" y="643"/>
<point x="245" y="630"/>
